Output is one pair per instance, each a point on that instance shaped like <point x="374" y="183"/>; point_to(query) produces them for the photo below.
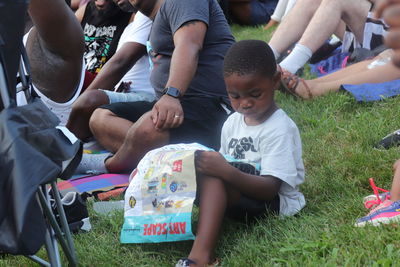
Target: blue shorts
<point x="261" y="12"/>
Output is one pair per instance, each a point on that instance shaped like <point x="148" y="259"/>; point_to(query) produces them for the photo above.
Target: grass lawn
<point x="338" y="134"/>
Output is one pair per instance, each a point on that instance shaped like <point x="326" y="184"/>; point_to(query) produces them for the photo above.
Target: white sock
<point x="92" y="163"/>
<point x="297" y="58"/>
<point x="276" y="53"/>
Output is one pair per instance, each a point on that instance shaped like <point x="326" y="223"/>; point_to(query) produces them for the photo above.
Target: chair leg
<point x="65" y="237"/>
<point x="64" y="224"/>
<point x="50" y="240"/>
<point x="38" y="260"/>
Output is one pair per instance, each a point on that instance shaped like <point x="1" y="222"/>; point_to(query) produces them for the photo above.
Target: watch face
<point x="172" y="91"/>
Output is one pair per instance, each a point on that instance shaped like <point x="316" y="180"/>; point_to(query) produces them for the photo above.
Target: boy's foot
<point x="76" y="212"/>
<point x="92" y="163"/>
<point x="386" y="212"/>
<point x="390" y="140"/>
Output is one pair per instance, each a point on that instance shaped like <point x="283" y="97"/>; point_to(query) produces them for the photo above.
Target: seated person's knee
<point x="145" y="130"/>
<point x="90" y="100"/>
<point x="99" y="118"/>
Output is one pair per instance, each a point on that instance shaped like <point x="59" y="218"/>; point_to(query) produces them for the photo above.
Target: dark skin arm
<point x="119" y="64"/>
<point x="213" y="164"/>
<point x="52" y="17"/>
<point x="188" y="41"/>
<point x="55" y="47"/>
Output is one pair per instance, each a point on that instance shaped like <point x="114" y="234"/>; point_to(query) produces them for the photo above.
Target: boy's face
<point x="252" y="95"/>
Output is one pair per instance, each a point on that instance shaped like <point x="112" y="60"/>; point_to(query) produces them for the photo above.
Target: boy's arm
<point x="259" y="187"/>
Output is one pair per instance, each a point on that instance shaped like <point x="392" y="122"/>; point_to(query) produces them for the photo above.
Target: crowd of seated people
<point x="170" y="71"/>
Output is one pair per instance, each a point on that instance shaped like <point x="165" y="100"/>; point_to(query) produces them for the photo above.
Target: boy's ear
<point x="277" y="78"/>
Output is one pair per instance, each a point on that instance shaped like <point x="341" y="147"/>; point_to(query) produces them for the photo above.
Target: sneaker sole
<point x="379" y="221"/>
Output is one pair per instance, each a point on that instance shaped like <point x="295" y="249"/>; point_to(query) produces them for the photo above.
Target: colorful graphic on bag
<point x="160" y="196"/>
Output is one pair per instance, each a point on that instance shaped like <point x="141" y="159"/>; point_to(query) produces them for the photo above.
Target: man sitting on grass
<point x="187" y="45"/>
<point x="258" y="133"/>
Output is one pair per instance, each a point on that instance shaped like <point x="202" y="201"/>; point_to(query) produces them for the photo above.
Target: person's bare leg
<point x="327" y="19"/>
<point x="82" y="110"/>
<point x="292" y="27"/>
<point x="347" y="71"/>
<point x="356" y="75"/>
<point x="141" y="137"/>
<point x="214" y="198"/>
<point x="109" y="129"/>
<point x="395" y="190"/>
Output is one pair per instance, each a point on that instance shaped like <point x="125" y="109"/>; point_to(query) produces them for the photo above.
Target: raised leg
<point x="140" y="138"/>
<point x="292" y="27"/>
<point x="109" y="129"/>
<point x="215" y="197"/>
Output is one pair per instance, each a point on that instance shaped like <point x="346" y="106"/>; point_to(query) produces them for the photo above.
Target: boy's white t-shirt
<point x="275" y="146"/>
<point x="138" y="32"/>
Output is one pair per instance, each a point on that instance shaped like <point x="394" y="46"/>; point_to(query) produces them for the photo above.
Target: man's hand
<point x="167" y="113"/>
<point x="212" y="163"/>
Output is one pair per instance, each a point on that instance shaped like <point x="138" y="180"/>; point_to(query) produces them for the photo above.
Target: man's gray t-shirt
<point x="208" y="80"/>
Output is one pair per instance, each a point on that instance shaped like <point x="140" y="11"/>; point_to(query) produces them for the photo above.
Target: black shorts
<point x="202" y="123"/>
<point x="248" y="209"/>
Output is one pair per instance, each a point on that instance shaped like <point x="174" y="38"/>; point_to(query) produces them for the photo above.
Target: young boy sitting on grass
<point x="259" y="133"/>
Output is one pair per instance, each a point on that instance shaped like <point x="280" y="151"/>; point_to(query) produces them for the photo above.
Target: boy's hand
<point x="211" y="163"/>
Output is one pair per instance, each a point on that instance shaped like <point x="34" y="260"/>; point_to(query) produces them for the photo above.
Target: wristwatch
<point x="172" y="91"/>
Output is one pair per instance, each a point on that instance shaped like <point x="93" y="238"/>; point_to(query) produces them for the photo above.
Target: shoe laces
<point x="376" y="202"/>
<point x="384" y="204"/>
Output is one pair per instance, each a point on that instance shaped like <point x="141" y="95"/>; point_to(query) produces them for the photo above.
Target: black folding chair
<point x="34" y="152"/>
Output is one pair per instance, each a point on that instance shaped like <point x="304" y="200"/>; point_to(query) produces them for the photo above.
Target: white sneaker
<point x="92" y="164"/>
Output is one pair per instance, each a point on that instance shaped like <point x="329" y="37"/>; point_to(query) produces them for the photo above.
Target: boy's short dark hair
<point x="250" y="57"/>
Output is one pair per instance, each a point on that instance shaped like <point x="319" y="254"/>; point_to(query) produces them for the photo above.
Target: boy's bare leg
<point x="395" y="191"/>
<point x="215" y="197"/>
<point x="213" y="202"/>
<point x="294" y="24"/>
<point x="109" y="129"/>
<point x="140" y="138"/>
